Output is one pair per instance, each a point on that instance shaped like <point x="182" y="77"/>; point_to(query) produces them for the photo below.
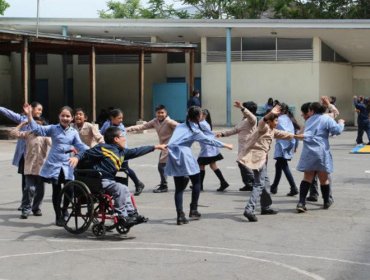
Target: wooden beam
<point x="141" y="86"/>
<point x="33" y="77"/>
<point x="191" y="72"/>
<point x="93" y="83"/>
<point x="24" y="67"/>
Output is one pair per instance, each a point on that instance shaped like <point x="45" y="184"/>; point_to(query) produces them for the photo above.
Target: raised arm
<point x="15" y="117"/>
<point x="141" y="127"/>
<point x="17" y="133"/>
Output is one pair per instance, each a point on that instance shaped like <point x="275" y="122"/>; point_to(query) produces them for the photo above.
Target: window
<point x="176" y="57"/>
<point x="328" y="54"/>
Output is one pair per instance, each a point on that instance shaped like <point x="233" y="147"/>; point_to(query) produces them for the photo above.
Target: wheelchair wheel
<point x="122" y="228"/>
<point x="77" y="207"/>
<point x="98" y="230"/>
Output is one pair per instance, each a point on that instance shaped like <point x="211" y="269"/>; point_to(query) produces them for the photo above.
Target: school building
<point x="294" y="61"/>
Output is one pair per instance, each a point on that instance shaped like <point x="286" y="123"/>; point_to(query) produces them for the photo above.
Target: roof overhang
<point x="350" y="38"/>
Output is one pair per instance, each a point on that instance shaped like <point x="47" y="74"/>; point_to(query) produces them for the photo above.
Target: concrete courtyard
<point x="320" y="244"/>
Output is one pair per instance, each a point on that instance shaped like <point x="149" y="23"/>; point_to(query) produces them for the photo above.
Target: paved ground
<point x="321" y="244"/>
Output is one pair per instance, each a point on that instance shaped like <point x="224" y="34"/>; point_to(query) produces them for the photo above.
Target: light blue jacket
<point x="284" y="148"/>
<point x="62" y="142"/>
<point x="207" y="150"/>
<point x="181" y="161"/>
<point x="315" y="154"/>
<point x="21" y="143"/>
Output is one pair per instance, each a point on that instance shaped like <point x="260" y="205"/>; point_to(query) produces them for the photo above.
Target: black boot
<point x="202" y="175"/>
<point x="224" y="184"/>
<point x="194" y="214"/>
<point x="325" y="191"/>
<point x="181" y="219"/>
<point x="303" y="191"/>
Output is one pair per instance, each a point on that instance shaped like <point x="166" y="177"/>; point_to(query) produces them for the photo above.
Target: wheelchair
<point x="84" y="202"/>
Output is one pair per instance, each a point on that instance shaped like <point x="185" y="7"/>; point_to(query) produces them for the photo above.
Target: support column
<point x="93" y="84"/>
<point x="32" y="77"/>
<point x="24" y="61"/>
<point x="191" y="72"/>
<point x="228" y="76"/>
<point x="141" y="86"/>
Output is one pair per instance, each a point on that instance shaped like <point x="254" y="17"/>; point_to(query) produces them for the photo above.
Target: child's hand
<point x="27" y="109"/>
<point x="229" y="146"/>
<point x="341" y="121"/>
<point x="238" y="104"/>
<point x="73" y="161"/>
<point x="161" y="147"/>
<point x="276" y="110"/>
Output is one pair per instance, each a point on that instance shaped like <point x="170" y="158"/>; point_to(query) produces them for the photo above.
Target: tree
<point x="3" y="6"/>
<point x="134" y="9"/>
<point x="242" y="9"/>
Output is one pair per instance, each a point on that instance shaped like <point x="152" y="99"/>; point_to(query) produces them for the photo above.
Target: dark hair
<point x="115" y="113"/>
<point x="193" y="116"/>
<point x="80" y="109"/>
<point x="195" y="92"/>
<point x="276" y="102"/>
<point x="160" y="107"/>
<point x="69" y="109"/>
<point x="317" y="108"/>
<point x="333" y="99"/>
<point x="111" y="133"/>
<point x="251" y="106"/>
<point x="41" y="120"/>
<point x="286" y="110"/>
<point x="270" y="101"/>
<point x="34" y="104"/>
<point x="208" y="117"/>
<point x="305" y="107"/>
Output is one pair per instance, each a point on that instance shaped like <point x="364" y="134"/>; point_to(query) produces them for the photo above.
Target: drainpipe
<point x="228" y="76"/>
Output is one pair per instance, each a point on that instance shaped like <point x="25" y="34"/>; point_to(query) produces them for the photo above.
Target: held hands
<point x="73" y="161"/>
<point x="161" y="147"/>
<point x="218" y="134"/>
<point x="341" y="121"/>
<point x="27" y="109"/>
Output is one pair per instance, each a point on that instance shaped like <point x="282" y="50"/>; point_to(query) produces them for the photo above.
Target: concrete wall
<point x="291" y="82"/>
<point x="336" y="80"/>
<point x="361" y="80"/>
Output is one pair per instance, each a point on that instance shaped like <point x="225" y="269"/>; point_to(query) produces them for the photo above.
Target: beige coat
<point x="37" y="149"/>
<point x="164" y="131"/>
<point x="89" y="134"/>
<point x="259" y="144"/>
<point x="244" y="129"/>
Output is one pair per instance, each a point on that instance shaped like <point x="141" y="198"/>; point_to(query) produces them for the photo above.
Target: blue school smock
<point x="181" y="161"/>
<point x="284" y="148"/>
<point x="315" y="154"/>
<point x="20" y="148"/>
<point x="207" y="150"/>
<point x="62" y="140"/>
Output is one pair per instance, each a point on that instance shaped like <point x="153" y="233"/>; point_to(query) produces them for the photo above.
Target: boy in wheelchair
<point x="107" y="158"/>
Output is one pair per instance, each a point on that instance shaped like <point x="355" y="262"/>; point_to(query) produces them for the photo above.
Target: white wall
<point x="291" y="82"/>
<point x="361" y="80"/>
<point x="336" y="80"/>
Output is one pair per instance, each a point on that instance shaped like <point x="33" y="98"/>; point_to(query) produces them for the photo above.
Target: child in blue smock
<point x="284" y="150"/>
<point x="316" y="156"/>
<point x="181" y="162"/>
<point x="116" y="118"/>
<point x="56" y="168"/>
<point x="18" y="159"/>
<point x="209" y="154"/>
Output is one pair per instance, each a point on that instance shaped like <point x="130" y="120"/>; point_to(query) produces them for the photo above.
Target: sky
<point x="58" y="8"/>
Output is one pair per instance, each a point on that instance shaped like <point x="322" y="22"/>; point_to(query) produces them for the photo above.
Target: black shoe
<point x="273" y="189"/>
<point x="59" y="222"/>
<point x="269" y="211"/>
<point x="224" y="186"/>
<point x="20" y="208"/>
<point x="312" y="198"/>
<point x="37" y="213"/>
<point x="328" y="204"/>
<point x="23" y="216"/>
<point x="139" y="188"/>
<point x="292" y="192"/>
<point x="181" y="219"/>
<point x="137" y="219"/>
<point x="246" y="188"/>
<point x="161" y="189"/>
<point x="301" y="208"/>
<point x="194" y="214"/>
<point x="250" y="216"/>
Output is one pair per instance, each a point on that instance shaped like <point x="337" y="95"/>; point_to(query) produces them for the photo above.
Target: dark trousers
<point x="247" y="175"/>
<point x="131" y="173"/>
<point x="363" y="127"/>
<point x="281" y="165"/>
<point x="161" y="166"/>
<point x="180" y="185"/>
